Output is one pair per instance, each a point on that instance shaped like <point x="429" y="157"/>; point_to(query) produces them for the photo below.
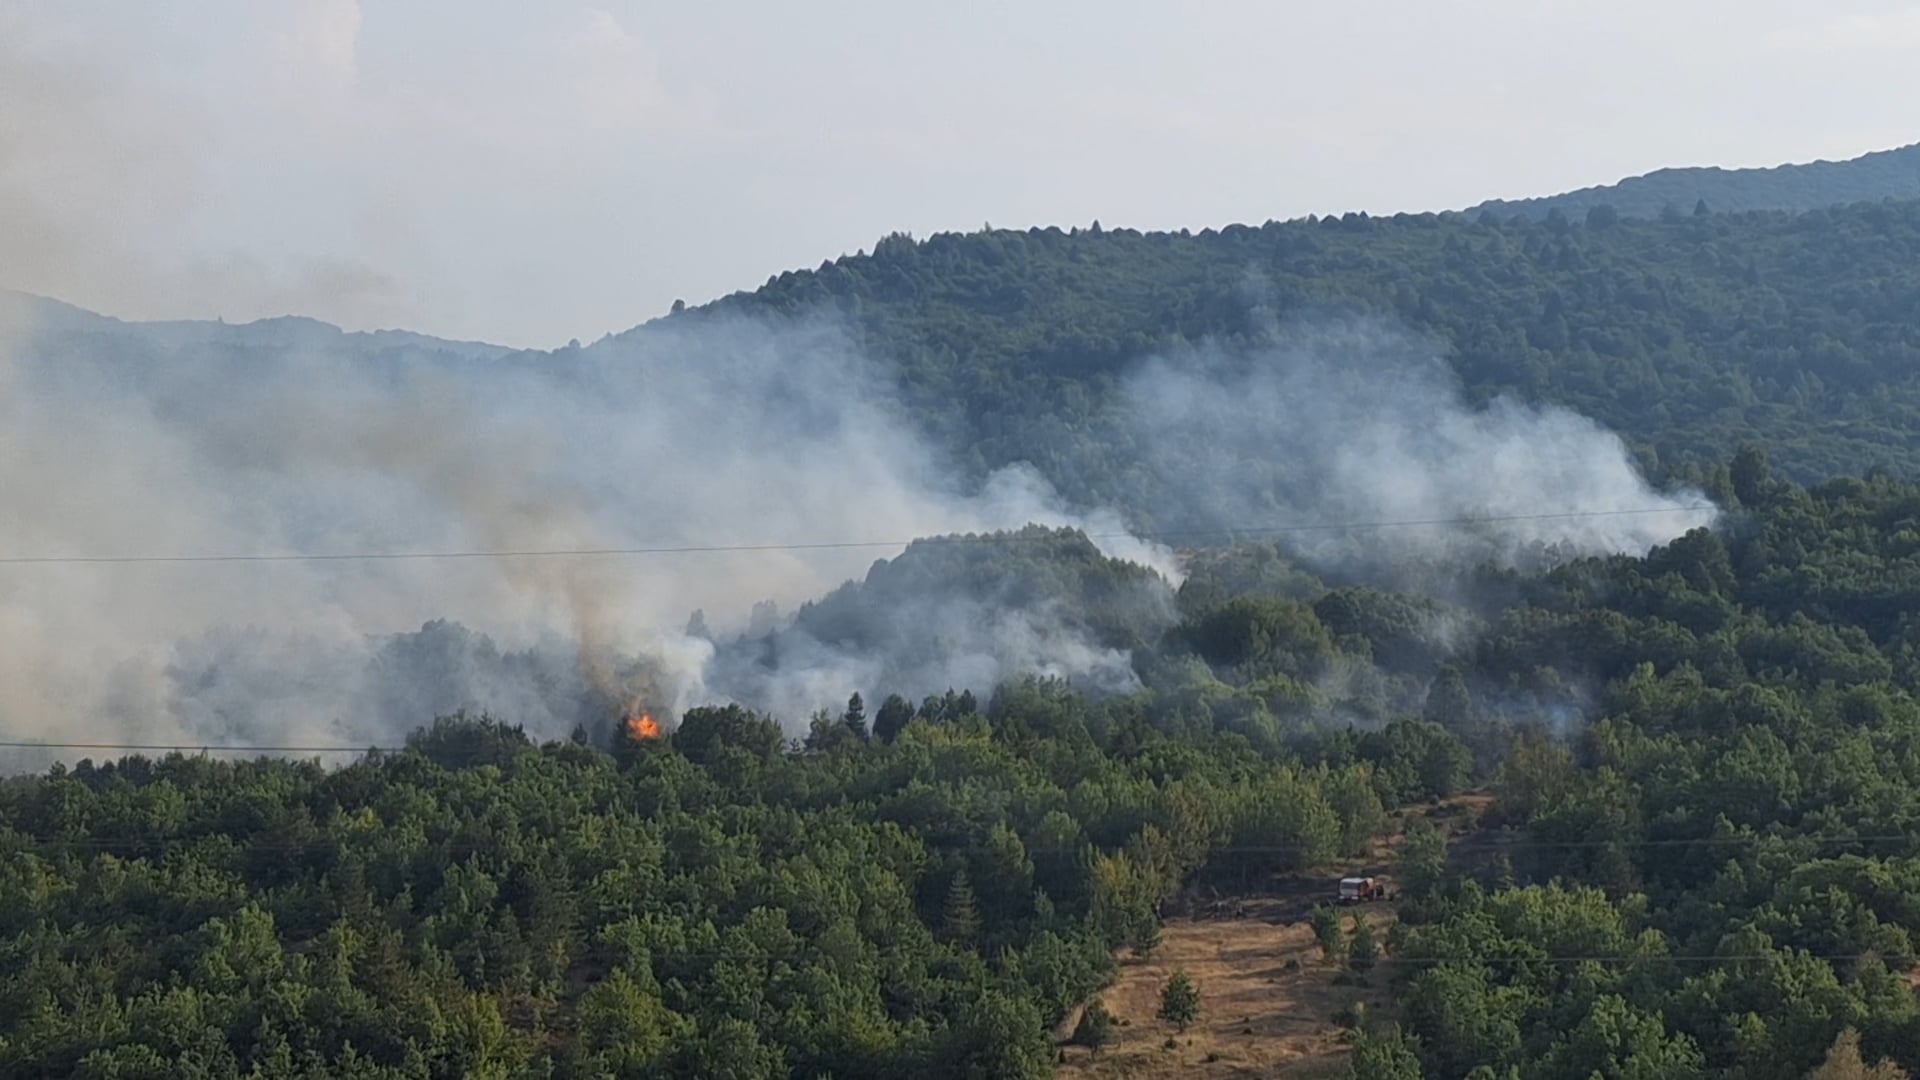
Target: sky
<point x="532" y="172"/>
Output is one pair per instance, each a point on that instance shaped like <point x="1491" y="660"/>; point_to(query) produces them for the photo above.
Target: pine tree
<point x="1420" y="866"/>
<point x="856" y="715"/>
<point x="1384" y="1055"/>
<point x="1449" y="702"/>
<point x="962" y="910"/>
<point x="820" y="731"/>
<point x="893" y="715"/>
<point x="1180" y="1001"/>
<point x="1095" y="1028"/>
<point x="1146" y="936"/>
<point x="1363" y="951"/>
<point x="1326" y="930"/>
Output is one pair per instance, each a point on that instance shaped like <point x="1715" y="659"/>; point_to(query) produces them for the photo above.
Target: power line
<point x="198" y="748"/>
<point x="688" y="549"/>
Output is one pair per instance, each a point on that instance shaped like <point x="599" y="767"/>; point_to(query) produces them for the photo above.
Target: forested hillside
<point x="1688" y="336"/>
<point x="1703" y="760"/>
<point x="1884" y="174"/>
<point x="1708" y="877"/>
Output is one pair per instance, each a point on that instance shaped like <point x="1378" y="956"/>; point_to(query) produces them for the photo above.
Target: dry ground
<point x="1268" y="1001"/>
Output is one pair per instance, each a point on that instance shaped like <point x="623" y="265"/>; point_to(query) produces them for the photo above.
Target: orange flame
<point x="643" y="727"/>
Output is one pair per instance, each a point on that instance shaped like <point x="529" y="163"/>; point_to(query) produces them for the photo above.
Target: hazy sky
<point x="530" y="172"/>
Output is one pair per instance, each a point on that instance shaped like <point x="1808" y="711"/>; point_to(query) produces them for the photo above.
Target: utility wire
<point x="686" y="549"/>
<point x="199" y="748"/>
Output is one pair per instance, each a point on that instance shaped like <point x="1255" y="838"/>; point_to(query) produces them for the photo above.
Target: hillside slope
<point x="1884" y="174"/>
<point x="1687" y="336"/>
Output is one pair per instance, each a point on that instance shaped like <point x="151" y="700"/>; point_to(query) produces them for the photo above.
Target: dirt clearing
<point x="1267" y="1002"/>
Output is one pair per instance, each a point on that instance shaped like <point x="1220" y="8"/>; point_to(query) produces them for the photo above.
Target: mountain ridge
<point x="1881" y="174"/>
<point x="51" y="313"/>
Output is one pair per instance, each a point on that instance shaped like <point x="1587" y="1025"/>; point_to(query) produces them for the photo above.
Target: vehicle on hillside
<point x="1362" y="890"/>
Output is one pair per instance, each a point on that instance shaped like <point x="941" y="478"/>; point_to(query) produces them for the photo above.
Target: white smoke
<point x="749" y="449"/>
<point x="703" y="438"/>
<point x="104" y="176"/>
<point x="1337" y="434"/>
<point x="956" y="614"/>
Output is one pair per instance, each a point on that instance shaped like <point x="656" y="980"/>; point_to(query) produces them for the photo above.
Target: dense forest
<point x="1706" y="766"/>
<point x="1884" y="174"/>
<point x="1689" y="334"/>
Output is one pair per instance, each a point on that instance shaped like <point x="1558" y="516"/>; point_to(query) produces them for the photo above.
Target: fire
<point x="643" y="727"/>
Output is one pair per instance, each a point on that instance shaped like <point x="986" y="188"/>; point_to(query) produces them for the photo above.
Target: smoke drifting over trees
<point x="1350" y="421"/>
<point x="289" y="437"/>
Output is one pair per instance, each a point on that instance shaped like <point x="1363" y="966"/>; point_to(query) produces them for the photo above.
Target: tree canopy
<point x="1689" y="335"/>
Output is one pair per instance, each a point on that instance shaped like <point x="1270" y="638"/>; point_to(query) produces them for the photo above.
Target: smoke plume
<point x="103" y="175"/>
<point x="289" y="437"/>
<point x="768" y="459"/>
<point x="1336" y="434"/>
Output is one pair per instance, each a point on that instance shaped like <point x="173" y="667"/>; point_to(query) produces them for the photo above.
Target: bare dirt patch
<point x="1270" y="1005"/>
<point x="1267" y="999"/>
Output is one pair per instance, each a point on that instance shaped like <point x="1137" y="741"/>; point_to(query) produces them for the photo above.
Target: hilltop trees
<point x="892" y="717"/>
<point x="1384" y="1055"/>
<point x="1690" y="335"/>
<point x="708" y="904"/>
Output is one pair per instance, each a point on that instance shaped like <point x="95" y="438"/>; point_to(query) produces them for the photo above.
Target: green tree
<point x="1096" y="1027"/>
<point x="999" y="1035"/>
<point x="731" y="1050"/>
<point x="961" y="913"/>
<point x="1465" y="1020"/>
<point x="1145" y="937"/>
<point x="856" y="715"/>
<point x="1536" y="770"/>
<point x="1449" y="702"/>
<point x="1362" y="950"/>
<point x="1356" y="801"/>
<point x="1179" y="1000"/>
<point x="1384" y="1054"/>
<point x="622" y="1029"/>
<point x="1752" y="477"/>
<point x="1616" y="1039"/>
<point x="704" y="733"/>
<point x="1420" y="864"/>
<point x="1327" y="931"/>
<point x="892" y="717"/>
